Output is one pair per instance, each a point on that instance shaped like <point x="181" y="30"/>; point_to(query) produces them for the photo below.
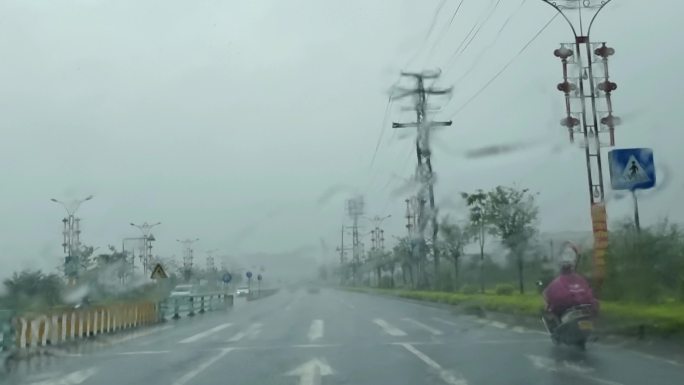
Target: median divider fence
<point x="63" y="325"/>
<point x="191" y="305"/>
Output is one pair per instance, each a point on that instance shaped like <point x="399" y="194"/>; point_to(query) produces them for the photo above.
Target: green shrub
<point x="504" y="289"/>
<point x="468" y="289"/>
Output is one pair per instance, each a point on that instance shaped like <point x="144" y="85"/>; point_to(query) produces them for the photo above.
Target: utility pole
<point x="589" y="110"/>
<point x="424" y="170"/>
<point x="355" y="207"/>
<point x="187" y="256"/>
<point x="211" y="266"/>
<point x="148" y="238"/>
<point x="343" y="252"/>
<point x="72" y="238"/>
<point x="377" y="234"/>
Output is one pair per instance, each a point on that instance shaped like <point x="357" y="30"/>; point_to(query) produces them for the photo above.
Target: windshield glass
<point x="341" y="192"/>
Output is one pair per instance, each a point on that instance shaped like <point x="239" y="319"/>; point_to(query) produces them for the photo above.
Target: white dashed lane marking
<point x="423" y="326"/>
<point x="388" y="328"/>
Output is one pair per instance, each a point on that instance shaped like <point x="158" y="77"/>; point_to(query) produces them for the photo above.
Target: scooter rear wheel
<point x="582" y="345"/>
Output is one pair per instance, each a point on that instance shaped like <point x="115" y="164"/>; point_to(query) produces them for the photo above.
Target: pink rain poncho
<point x="569" y="290"/>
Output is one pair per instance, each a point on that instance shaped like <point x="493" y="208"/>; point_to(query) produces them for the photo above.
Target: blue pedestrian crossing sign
<point x="631" y="169"/>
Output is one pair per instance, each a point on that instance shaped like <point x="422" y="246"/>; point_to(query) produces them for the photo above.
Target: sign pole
<point x="636" y="212"/>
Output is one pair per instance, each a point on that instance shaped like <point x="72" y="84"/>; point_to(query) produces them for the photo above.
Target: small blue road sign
<point x="632" y="169"/>
<point x="226" y="277"/>
<point x="249" y="274"/>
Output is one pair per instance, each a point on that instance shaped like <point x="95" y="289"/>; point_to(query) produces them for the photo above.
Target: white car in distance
<point x="242" y="291"/>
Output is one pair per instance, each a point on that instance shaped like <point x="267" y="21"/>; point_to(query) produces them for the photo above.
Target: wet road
<point x="337" y="337"/>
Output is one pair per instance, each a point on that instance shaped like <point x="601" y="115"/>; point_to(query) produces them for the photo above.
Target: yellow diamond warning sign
<point x="158" y="272"/>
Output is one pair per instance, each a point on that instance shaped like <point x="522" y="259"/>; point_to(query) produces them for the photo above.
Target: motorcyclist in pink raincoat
<point x="567" y="290"/>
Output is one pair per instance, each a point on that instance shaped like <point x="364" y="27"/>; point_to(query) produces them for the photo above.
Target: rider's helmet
<point x="567" y="267"/>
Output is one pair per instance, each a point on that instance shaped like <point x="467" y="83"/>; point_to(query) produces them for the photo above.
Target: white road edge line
<point x="74" y="378"/>
<point x="140" y="334"/>
<point x="143" y="352"/>
<point x="389" y="329"/>
<point x="193" y="373"/>
<point x="251" y="332"/>
<point x="656" y="358"/>
<point x="316" y="330"/>
<point x="205" y="333"/>
<point x="448" y="377"/>
<point x="421" y="325"/>
<point x="498" y="325"/>
<point x="447" y="322"/>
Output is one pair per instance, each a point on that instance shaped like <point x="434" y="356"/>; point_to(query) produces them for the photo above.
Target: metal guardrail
<point x="6" y="329"/>
<point x="190" y="305"/>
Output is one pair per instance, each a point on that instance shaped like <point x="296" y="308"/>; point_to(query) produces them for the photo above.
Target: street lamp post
<point x="71" y="233"/>
<point x="588" y="104"/>
<point x="145" y="229"/>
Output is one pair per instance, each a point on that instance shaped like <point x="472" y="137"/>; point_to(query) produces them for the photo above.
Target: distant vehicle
<point x="181" y="291"/>
<point x="242" y="291"/>
<point x="313" y="290"/>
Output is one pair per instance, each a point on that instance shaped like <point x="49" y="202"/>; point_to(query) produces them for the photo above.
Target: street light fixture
<point x="71" y="234"/>
<point x="145" y="229"/>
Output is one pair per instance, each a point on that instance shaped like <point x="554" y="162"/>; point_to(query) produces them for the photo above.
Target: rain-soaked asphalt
<point x="338" y="337"/>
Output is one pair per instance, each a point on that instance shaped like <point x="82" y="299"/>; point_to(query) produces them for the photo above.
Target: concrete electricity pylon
<point x="342" y="250"/>
<point x="148" y="238"/>
<point x="187" y="255"/>
<point x="377" y="234"/>
<point x="211" y="266"/>
<point x="589" y="109"/>
<point x="424" y="171"/>
<point x="355" y="207"/>
<point x="72" y="237"/>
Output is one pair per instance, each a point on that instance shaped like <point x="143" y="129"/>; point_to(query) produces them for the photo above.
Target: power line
<point x="465" y="43"/>
<point x="491" y="45"/>
<point x="427" y="35"/>
<point x="504" y="68"/>
<point x="382" y="129"/>
<point x="489" y="16"/>
<point x="444" y="31"/>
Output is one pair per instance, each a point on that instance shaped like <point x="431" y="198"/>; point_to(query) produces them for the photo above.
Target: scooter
<point x="574" y="327"/>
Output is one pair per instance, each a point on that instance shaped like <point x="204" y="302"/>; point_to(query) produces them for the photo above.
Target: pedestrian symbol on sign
<point x="634" y="172"/>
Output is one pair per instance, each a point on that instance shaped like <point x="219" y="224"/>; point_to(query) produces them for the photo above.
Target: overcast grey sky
<point x="248" y="123"/>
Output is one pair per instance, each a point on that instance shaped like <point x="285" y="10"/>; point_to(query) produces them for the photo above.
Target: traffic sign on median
<point x="249" y="274"/>
<point x="226" y="277"/>
<point x="158" y="272"/>
<point x="631" y="169"/>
